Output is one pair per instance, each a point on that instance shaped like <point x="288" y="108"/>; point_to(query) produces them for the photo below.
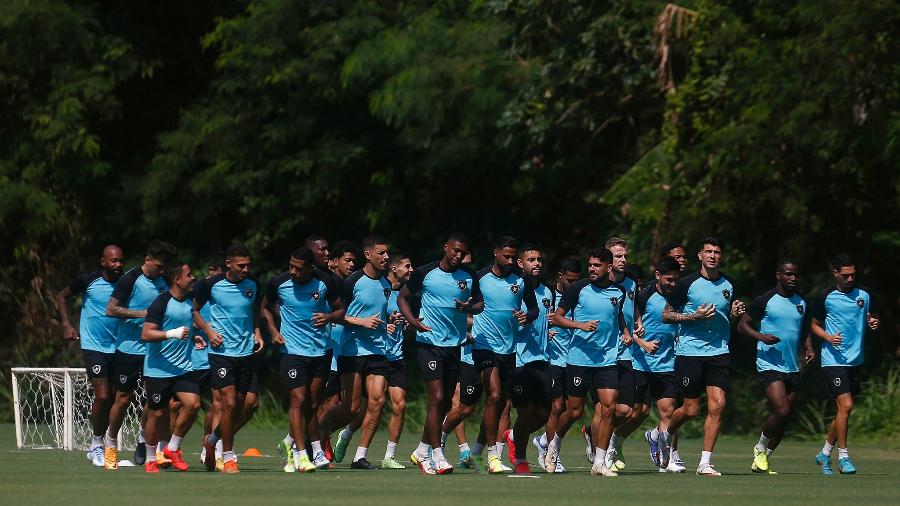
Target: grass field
<point x="59" y="477"/>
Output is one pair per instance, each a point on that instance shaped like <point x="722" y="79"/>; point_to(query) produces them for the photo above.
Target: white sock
<point x="654" y="434"/>
<point x="229" y="455"/>
<point x="110" y="441"/>
<point x="219" y="452"/>
<point x="769" y="451"/>
<point x="477" y="448"/>
<point x="443" y="439"/>
<point x="600" y="456"/>
<point x="499" y="448"/>
<point x="316" y="447"/>
<point x="615" y="441"/>
<point x="704" y="457"/>
<point x="422" y="450"/>
<point x="826" y="450"/>
<point x="175" y="443"/>
<point x="141" y="437"/>
<point x="763" y="443"/>
<point x="543" y="440"/>
<point x="360" y="453"/>
<point x="556" y="441"/>
<point x="675" y="455"/>
<point x="296" y="453"/>
<point x="346" y="434"/>
<point x="288" y="440"/>
<point x="391" y="449"/>
<point x="151" y="453"/>
<point x="464" y="448"/>
<point x="437" y="454"/>
<point x="162" y="444"/>
<point x="492" y="451"/>
<point x="843" y="453"/>
<point x="96" y="441"/>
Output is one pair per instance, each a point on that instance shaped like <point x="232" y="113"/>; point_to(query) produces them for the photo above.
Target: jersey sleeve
<point x="81" y="282"/>
<point x="416" y="279"/>
<point x="640" y="302"/>
<point x="202" y="290"/>
<point x="349" y="285"/>
<point x="333" y="290"/>
<point x="122" y="292"/>
<point x="271" y="292"/>
<point x="530" y="301"/>
<point x="757" y="309"/>
<point x="818" y="310"/>
<point x="678" y="298"/>
<point x="570" y="298"/>
<point x="157" y="309"/>
<point x="476" y="288"/>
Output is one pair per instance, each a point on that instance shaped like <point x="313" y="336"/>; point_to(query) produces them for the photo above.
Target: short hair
<point x="341" y="247"/>
<point x="570" y="265"/>
<point x="635" y="271"/>
<point x="841" y="260"/>
<point x="396" y="257"/>
<point x="304" y="254"/>
<point x="172" y="270"/>
<point x="217" y="261"/>
<point x="668" y="265"/>
<point x="672" y="245"/>
<point x="603" y="254"/>
<point x="237" y="249"/>
<point x="505" y="241"/>
<point x="372" y="240"/>
<point x="712" y="240"/>
<point x="162" y="251"/>
<point x="312" y="239"/>
<point x="615" y="241"/>
<point x="528" y="246"/>
<point x="458" y="237"/>
<point x="784" y="261"/>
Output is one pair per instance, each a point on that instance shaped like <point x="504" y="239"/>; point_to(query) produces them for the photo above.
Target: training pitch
<point x="59" y="478"/>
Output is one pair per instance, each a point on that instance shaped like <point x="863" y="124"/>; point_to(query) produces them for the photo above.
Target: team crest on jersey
<point x="686" y="381"/>
<point x="462" y="285"/>
<point x="97" y="368"/>
<point x="123" y="378"/>
<point x="222" y="372"/>
<point x="546" y="303"/>
<point x="292" y="374"/>
<point x="860" y="302"/>
<point x="514" y="289"/>
<point x="800" y="308"/>
<point x="837" y="382"/>
<point x="727" y="294"/>
<point x="470" y="389"/>
<point x="387" y="292"/>
<point x="432" y="365"/>
<point x="248" y="293"/>
<point x="315" y="295"/>
<point x="576" y="381"/>
<point x="631" y="294"/>
<point x="614" y="301"/>
<point x="517" y="389"/>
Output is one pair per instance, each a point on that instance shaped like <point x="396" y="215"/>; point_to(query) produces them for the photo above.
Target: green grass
<point x="58" y="477"/>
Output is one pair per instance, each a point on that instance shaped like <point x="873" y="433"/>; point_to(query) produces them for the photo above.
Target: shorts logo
<point x="315" y="295"/>
<point x="686" y="381"/>
<point x="860" y="303"/>
<point x="837" y="382"/>
<point x="222" y="372"/>
<point x="727" y="294"/>
<point x="432" y="365"/>
<point x="614" y="301"/>
<point x="248" y="293"/>
<point x="97" y="368"/>
<point x="552" y="382"/>
<point x="123" y="378"/>
<point x="292" y="374"/>
<point x="517" y="389"/>
<point x="462" y="285"/>
<point x="470" y="389"/>
<point x="514" y="289"/>
<point x="546" y="303"/>
<point x="800" y="308"/>
<point x="576" y="381"/>
<point x="156" y="398"/>
<point x="387" y="292"/>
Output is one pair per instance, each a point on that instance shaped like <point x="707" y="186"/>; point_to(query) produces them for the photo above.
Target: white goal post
<point x="52" y="407"/>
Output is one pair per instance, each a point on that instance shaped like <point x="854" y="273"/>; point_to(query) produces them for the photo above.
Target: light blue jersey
<point x="785" y="318"/>
<point x="440" y="290"/>
<point x="366" y="297"/>
<point x="394" y="343"/>
<point x="231" y="310"/>
<point x="532" y="339"/>
<point x="588" y="302"/>
<point x="703" y="338"/>
<point x="846" y="313"/>
<point x="297" y="303"/>
<point x="650" y="304"/>
<point x="170" y="357"/>
<point x="496" y="327"/>
<point x="630" y="286"/>
<point x="135" y="292"/>
<point x="558" y="347"/>
<point x="200" y="358"/>
<point x="97" y="331"/>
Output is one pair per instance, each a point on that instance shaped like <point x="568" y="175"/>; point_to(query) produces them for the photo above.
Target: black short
<point x="843" y="380"/>
<point x="100" y="365"/>
<point x="438" y="362"/>
<point x="653" y="386"/>
<point x="791" y="380"/>
<point x="364" y="365"/>
<point x="505" y="363"/>
<point x="397" y="374"/>
<point x="232" y="371"/>
<point x="531" y="384"/>
<point x="694" y="374"/>
<point x="202" y="378"/>
<point x="557" y="381"/>
<point x="332" y="386"/>
<point x="160" y="390"/>
<point x="582" y="379"/>
<point x="129" y="370"/>
<point x="626" y="383"/>
<point x="469" y="384"/>
<point x="298" y="371"/>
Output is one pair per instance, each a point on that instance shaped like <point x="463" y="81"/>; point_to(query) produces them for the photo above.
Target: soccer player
<point x="97" y="333"/>
<point x="654" y="359"/>
<point x="676" y="250"/>
<point x="449" y="292"/>
<point x="134" y="292"/>
<point x="234" y="337"/>
<point x="532" y="384"/>
<point x="343" y="258"/>
<point x="839" y="318"/>
<point x="558" y="350"/>
<point x="702" y="304"/>
<point x="200" y="363"/>
<point x="782" y="316"/>
<point x="597" y="322"/>
<point x="362" y="363"/>
<point x="504" y="290"/>
<point x="308" y="301"/>
<point x="167" y="367"/>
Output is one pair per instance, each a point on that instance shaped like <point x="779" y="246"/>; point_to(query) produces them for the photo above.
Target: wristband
<point x="175" y="333"/>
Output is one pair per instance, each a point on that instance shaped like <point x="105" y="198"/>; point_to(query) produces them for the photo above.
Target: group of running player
<point x="501" y="331"/>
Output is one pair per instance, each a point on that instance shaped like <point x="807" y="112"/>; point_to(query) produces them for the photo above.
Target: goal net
<point x="52" y="408"/>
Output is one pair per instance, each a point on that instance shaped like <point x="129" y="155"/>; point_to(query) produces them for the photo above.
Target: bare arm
<point x="745" y="327"/>
<point x="215" y="339"/>
<point x="267" y="313"/>
<point x="561" y="321"/>
<point x="670" y="315"/>
<point x="406" y="311"/>
<point x="114" y="310"/>
<point x="816" y="328"/>
<point x="150" y="332"/>
<point x="69" y="330"/>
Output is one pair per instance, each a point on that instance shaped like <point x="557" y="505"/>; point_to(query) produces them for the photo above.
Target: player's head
<point x="400" y="265"/>
<point x="375" y="251"/>
<point x="676" y="250"/>
<point x="599" y="264"/>
<point x="619" y="249"/>
<point x="786" y="273"/>
<point x="843" y="268"/>
<point x="319" y="246"/>
<point x="343" y="256"/>
<point x="455" y="249"/>
<point x="668" y="269"/>
<point x="159" y="254"/>
<point x="635" y="272"/>
<point x="237" y="261"/>
<point x="216" y="264"/>
<point x="568" y="273"/>
<point x="468" y="259"/>
<point x="506" y="253"/>
<point x="178" y="275"/>
<point x="112" y="262"/>
<point x="710" y="254"/>
<point x="531" y="261"/>
<point x="302" y="264"/>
